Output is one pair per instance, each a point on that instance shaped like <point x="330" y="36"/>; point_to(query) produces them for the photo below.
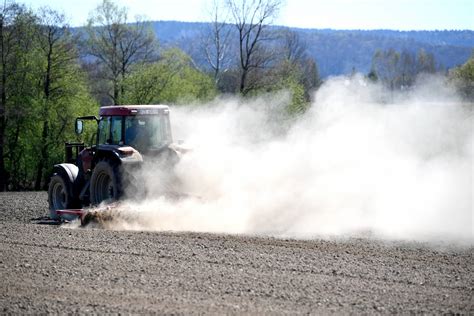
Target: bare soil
<point x="51" y="269"/>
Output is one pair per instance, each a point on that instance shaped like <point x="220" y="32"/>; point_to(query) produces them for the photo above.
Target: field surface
<point x="48" y="268"/>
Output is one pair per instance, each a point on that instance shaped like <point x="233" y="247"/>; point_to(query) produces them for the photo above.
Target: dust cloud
<point x="362" y="161"/>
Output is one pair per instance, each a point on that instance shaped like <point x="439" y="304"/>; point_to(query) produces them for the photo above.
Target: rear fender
<point x="118" y="154"/>
<point x="128" y="155"/>
<point x="70" y="172"/>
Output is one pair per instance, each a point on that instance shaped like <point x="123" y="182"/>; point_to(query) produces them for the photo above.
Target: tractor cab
<point x="145" y="128"/>
<point x="126" y="136"/>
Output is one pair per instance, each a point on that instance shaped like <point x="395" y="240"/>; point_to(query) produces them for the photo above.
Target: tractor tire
<point x="133" y="185"/>
<point x="59" y="195"/>
<point x="106" y="183"/>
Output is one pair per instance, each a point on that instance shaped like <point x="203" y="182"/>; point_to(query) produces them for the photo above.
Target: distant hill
<point x="340" y="51"/>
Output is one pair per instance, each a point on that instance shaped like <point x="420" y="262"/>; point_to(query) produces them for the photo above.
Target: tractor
<point x="126" y="137"/>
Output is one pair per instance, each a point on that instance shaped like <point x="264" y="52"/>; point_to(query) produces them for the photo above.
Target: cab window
<point x="104" y="130"/>
<point x="116" y="130"/>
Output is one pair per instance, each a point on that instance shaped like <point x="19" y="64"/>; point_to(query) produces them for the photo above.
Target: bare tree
<point x="118" y="45"/>
<point x="251" y="18"/>
<point x="386" y="65"/>
<point x="407" y="69"/>
<point x="216" y="41"/>
<point x="294" y="49"/>
<point x="400" y="70"/>
<point x="425" y="62"/>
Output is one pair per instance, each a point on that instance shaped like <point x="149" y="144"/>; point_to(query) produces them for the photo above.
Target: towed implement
<point x="108" y="169"/>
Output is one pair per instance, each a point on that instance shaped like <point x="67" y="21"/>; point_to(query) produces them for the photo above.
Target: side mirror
<point x="79" y="126"/>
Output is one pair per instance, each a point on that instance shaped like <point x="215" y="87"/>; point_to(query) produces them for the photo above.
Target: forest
<point x="338" y="52"/>
<point x="51" y="73"/>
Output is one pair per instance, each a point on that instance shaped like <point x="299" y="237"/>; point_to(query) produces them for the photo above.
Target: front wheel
<point x="105" y="183"/>
<point x="59" y="197"/>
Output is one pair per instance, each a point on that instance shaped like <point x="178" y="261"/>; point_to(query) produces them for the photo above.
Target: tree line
<point x="42" y="89"/>
<point x="243" y="55"/>
<point x="52" y="73"/>
<point x="400" y="71"/>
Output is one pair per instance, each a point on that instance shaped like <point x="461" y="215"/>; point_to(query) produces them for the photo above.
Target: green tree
<point x="294" y="70"/>
<point x="171" y="79"/>
<point x="385" y="64"/>
<point x="59" y="83"/>
<point x="16" y="23"/>
<point x="117" y="45"/>
<point x="463" y="78"/>
<point x="288" y="76"/>
<point x="425" y="62"/>
<point x="42" y="89"/>
<point x="304" y="67"/>
<point x="399" y="70"/>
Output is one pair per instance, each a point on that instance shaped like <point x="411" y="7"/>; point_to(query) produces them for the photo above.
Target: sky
<point x="335" y="14"/>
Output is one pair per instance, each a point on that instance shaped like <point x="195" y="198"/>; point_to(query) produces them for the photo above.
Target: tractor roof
<point x="124" y="110"/>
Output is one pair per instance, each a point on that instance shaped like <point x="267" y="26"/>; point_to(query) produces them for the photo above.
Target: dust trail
<point x="362" y="160"/>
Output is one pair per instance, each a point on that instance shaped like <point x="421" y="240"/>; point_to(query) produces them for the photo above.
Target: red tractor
<point x="126" y="137"/>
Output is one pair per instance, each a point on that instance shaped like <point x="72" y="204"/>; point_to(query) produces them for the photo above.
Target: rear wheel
<point x="105" y="183"/>
<point x="59" y="197"/>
